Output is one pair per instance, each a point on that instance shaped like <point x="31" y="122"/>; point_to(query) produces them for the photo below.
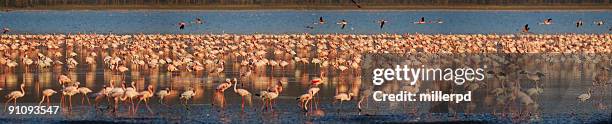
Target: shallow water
<point x="563" y="83"/>
<point x="287" y="21"/>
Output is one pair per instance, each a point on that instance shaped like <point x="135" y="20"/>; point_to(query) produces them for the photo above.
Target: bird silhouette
<point x="342" y="23"/>
<point x="356" y="3"/>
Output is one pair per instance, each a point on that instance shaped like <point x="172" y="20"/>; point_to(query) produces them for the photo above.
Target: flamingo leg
<point x="85" y="96"/>
<point x="147" y="104"/>
<point x="340" y="106"/>
<point x="264" y="104"/>
<point x="138" y="104"/>
<point x="41" y="101"/>
<point x="272" y="105"/>
<point x="132" y="102"/>
<point x="48" y="101"/>
<point x="308" y="104"/>
<point x="70" y="101"/>
<point x="242" y="104"/>
<point x="62" y="101"/>
<point x="6" y="104"/>
<point x="116" y="102"/>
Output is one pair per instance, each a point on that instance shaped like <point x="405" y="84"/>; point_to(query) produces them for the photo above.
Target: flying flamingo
<point x="243" y="93"/>
<point x="47" y="93"/>
<point x="144" y="96"/>
<point x="14" y="95"/>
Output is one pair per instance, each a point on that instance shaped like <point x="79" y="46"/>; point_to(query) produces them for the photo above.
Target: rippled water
<point x="287" y="21"/>
<point x="563" y="83"/>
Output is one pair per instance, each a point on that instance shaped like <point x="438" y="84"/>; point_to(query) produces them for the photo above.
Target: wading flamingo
<point x="144" y="96"/>
<point x="69" y="91"/>
<point x="84" y="91"/>
<point x="186" y="96"/>
<point x="163" y="93"/>
<point x="243" y="93"/>
<point x="46" y="94"/>
<point x="14" y="95"/>
<point x="342" y="97"/>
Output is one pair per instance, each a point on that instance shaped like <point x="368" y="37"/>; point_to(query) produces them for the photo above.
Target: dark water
<point x="287" y="21"/>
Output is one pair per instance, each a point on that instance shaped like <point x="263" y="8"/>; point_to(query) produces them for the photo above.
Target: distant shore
<point x="313" y="7"/>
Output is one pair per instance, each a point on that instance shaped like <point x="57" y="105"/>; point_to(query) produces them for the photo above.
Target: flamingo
<point x="163" y="93"/>
<point x="69" y="91"/>
<point x="243" y="93"/>
<point x="130" y="93"/>
<point x="117" y="93"/>
<point x="382" y="23"/>
<point x="303" y="100"/>
<point x="84" y="91"/>
<point x="342" y="23"/>
<point x="144" y="96"/>
<point x="270" y="95"/>
<point x="122" y="69"/>
<point x="224" y="86"/>
<point x="342" y="97"/>
<point x="314" y="90"/>
<point x="14" y="95"/>
<point x="104" y="92"/>
<point x="535" y="77"/>
<point x="267" y="98"/>
<point x="47" y="93"/>
<point x="187" y="95"/>
<point x="221" y="90"/>
<point x="63" y="79"/>
<point x="584" y="97"/>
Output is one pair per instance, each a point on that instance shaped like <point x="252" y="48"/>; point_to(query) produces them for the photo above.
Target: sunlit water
<point x="287" y="21"/>
<point x="563" y="83"/>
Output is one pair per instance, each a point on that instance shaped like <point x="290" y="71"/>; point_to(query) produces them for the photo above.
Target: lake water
<point x="288" y="21"/>
<point x="564" y="81"/>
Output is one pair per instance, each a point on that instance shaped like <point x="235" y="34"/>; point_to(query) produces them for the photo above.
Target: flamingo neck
<point x="22" y="90"/>
<point x="235" y="83"/>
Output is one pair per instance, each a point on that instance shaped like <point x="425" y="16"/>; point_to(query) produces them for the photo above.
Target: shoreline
<point x="314" y="7"/>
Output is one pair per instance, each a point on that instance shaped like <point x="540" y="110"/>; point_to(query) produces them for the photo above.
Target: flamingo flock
<point x="256" y="55"/>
